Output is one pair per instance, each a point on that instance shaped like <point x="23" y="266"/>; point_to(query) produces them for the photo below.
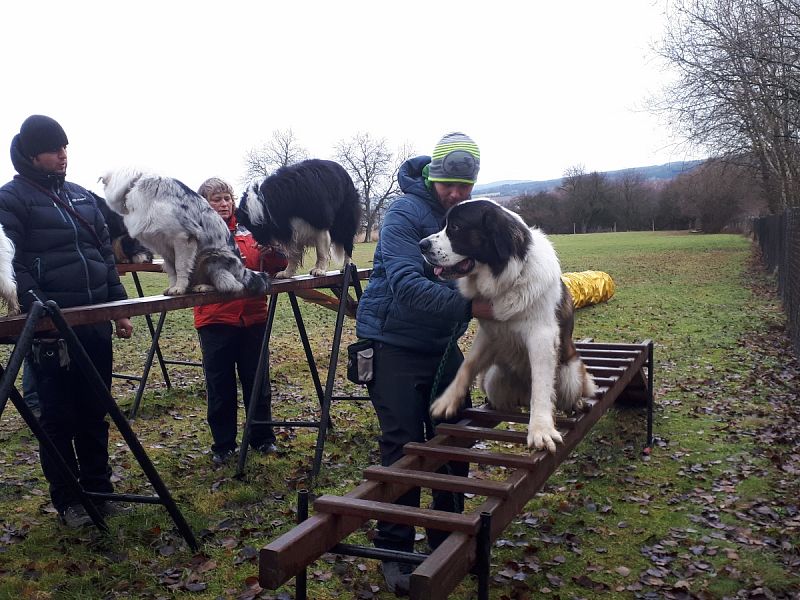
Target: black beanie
<point x="41" y="134"/>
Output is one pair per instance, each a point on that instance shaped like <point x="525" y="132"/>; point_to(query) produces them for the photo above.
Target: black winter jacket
<point x="56" y="256"/>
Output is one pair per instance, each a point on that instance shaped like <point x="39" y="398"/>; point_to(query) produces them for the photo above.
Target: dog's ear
<point x="497" y="234"/>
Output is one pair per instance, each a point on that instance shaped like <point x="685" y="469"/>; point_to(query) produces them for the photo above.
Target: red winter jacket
<point x="241" y="312"/>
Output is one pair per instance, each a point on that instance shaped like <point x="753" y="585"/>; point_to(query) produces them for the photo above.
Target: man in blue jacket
<point x="63" y="253"/>
<point x="411" y="317"/>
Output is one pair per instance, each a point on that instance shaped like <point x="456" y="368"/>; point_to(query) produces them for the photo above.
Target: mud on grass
<point x="711" y="512"/>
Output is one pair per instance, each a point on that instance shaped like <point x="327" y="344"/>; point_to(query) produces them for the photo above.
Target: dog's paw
<point x="543" y="435"/>
<point x="284" y="275"/>
<point x="315" y="272"/>
<point x="203" y="287"/>
<point x="445" y="406"/>
<point x="175" y="290"/>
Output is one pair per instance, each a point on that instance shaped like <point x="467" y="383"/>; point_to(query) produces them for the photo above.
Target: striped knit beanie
<point x="456" y="159"/>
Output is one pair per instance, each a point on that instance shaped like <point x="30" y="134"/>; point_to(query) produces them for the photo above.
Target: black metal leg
<point x="301" y="579"/>
<point x="148" y="363"/>
<point x="334" y="359"/>
<point x="484" y="553"/>
<point x="259" y="381"/>
<point x="162" y="363"/>
<point x="650" y="393"/>
<point x="312" y="364"/>
<point x="103" y="394"/>
<point x="21" y="349"/>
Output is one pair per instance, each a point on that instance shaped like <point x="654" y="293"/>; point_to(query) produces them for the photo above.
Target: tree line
<point x="713" y="197"/>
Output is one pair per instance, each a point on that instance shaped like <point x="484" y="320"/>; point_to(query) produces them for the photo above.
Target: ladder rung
<point x="440" y="481"/>
<point x="471" y="455"/>
<point x="495" y="416"/>
<point x="397" y="513"/>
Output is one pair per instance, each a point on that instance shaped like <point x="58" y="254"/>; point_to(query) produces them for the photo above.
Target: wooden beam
<point x="133" y="307"/>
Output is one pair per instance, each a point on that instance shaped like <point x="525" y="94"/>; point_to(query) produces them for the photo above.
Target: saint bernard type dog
<point x="177" y="223"/>
<point x="311" y="203"/>
<point x="8" y="280"/>
<point x="525" y="355"/>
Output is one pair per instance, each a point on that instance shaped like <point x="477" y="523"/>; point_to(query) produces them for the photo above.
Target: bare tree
<point x="738" y="86"/>
<point x="587" y="197"/>
<point x="373" y="167"/>
<point x="715" y="195"/>
<point x="282" y="149"/>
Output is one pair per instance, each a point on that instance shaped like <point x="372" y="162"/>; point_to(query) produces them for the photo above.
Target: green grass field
<point x="712" y="512"/>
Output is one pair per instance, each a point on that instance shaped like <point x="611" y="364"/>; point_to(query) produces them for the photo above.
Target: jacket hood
<point x="411" y="181"/>
<point x="24" y="166"/>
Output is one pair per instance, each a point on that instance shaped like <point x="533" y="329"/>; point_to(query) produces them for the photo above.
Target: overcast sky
<point x="187" y="88"/>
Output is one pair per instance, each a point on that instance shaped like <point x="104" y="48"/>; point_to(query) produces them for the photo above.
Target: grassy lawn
<point x="711" y="512"/>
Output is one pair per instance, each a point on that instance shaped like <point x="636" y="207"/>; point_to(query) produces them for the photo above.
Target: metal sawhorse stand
<point x="155" y="335"/>
<point x="350" y="277"/>
<point x="38" y="312"/>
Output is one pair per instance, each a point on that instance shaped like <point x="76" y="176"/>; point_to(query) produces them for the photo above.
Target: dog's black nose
<point x="425" y="245"/>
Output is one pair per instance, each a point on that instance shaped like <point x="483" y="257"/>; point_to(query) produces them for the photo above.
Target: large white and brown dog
<point x="310" y="203"/>
<point x="8" y="280"/>
<point x="177" y="223"/>
<point x="526" y="355"/>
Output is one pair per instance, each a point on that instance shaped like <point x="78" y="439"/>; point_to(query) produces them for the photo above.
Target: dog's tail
<point x="573" y="384"/>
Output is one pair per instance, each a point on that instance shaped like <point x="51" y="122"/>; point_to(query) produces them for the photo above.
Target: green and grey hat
<point x="456" y="159"/>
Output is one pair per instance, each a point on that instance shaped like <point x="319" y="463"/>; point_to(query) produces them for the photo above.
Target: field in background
<point x="712" y="511"/>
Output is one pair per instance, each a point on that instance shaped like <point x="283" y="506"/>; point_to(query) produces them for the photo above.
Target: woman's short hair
<point x="215" y="185"/>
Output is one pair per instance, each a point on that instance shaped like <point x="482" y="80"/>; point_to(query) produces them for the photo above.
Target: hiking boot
<point x="75" y="517"/>
<point x="108" y="508"/>
<point x="220" y="458"/>
<point x="397" y="576"/>
<point x="266" y="448"/>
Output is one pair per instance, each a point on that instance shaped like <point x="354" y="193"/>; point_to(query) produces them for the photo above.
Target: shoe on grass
<point x="397" y="576"/>
<point x="266" y="448"/>
<point x="220" y="458"/>
<point x="108" y="508"/>
<point x="75" y="517"/>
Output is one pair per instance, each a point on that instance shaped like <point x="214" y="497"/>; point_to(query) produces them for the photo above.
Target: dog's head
<point x="476" y="231"/>
<point x="117" y="184"/>
<point x="253" y="213"/>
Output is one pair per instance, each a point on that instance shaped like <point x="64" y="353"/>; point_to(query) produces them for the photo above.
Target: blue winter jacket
<point x="56" y="256"/>
<point x="404" y="304"/>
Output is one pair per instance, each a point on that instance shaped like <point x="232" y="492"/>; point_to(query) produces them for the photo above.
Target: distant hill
<point x="518" y="188"/>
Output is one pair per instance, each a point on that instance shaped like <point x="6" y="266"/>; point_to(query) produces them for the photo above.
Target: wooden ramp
<point x="622" y="372"/>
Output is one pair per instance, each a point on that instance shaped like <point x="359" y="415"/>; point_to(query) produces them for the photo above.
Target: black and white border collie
<point x="525" y="356"/>
<point x="311" y="203"/>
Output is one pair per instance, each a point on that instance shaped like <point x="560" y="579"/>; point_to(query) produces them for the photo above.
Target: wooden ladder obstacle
<point x="622" y="372"/>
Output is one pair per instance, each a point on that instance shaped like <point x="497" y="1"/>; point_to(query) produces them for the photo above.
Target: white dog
<point x="8" y="280"/>
<point x="177" y="223"/>
<point x="526" y="354"/>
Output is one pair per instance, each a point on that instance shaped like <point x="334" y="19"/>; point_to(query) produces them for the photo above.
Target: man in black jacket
<point x="63" y="253"/>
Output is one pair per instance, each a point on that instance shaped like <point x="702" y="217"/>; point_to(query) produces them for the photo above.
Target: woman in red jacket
<point x="230" y="339"/>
